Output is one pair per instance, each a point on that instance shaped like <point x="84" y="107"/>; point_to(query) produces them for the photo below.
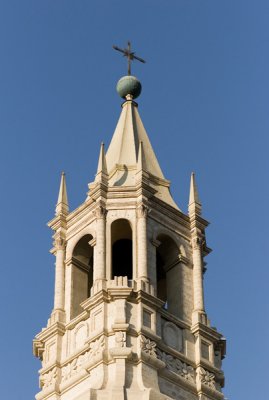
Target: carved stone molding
<point x="148" y="346"/>
<point x="76" y="365"/>
<point x="49" y="378"/>
<point x="206" y="377"/>
<point x="177" y="366"/>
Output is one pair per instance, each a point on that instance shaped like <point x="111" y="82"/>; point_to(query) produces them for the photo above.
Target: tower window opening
<point x="161" y="279"/>
<point x="82" y="273"/>
<point x="167" y="274"/>
<point x="122" y="249"/>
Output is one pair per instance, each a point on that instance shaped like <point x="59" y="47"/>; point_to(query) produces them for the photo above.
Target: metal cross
<point x="130" y="55"/>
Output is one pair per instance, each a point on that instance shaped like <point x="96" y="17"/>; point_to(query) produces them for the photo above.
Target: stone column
<point x="198" y="290"/>
<point x="59" y="274"/>
<point x="142" y="255"/>
<point x="99" y="270"/>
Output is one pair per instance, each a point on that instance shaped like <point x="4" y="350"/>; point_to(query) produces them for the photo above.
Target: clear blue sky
<point x="205" y="106"/>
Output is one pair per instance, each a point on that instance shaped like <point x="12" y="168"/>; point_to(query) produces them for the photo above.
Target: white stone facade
<point x="129" y="319"/>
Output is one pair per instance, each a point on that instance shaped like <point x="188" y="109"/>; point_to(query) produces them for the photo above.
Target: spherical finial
<point x="129" y="85"/>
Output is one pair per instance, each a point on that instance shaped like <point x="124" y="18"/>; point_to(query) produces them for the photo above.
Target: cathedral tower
<point x="129" y="320"/>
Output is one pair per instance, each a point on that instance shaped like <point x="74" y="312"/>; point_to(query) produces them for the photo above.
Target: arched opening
<point x="122" y="249"/>
<point x="82" y="274"/>
<point x="161" y="278"/>
<point x="167" y="273"/>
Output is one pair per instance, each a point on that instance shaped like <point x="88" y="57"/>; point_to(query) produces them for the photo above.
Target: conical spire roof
<point x="124" y="146"/>
<point x="130" y="150"/>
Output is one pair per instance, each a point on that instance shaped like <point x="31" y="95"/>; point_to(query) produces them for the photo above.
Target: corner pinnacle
<point x="194" y="202"/>
<point x="62" y="203"/>
<point x="102" y="166"/>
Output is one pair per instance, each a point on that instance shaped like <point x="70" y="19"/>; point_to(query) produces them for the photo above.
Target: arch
<point x="82" y="273"/>
<point x="75" y="239"/>
<point x="167" y="272"/>
<point x="121" y="248"/>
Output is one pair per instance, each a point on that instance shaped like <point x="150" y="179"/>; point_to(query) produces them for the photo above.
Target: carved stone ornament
<point x="142" y="211"/>
<point x="177" y="366"/>
<point x="120" y="339"/>
<point x="100" y="211"/>
<point x="49" y="378"/>
<point x="148" y="346"/>
<point x="59" y="243"/>
<point x="77" y="364"/>
<point x="206" y="377"/>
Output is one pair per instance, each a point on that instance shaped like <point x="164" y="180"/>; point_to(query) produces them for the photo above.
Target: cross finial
<point x="130" y="55"/>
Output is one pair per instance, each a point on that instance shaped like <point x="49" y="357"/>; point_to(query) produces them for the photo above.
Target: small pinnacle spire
<point x="141" y="157"/>
<point x="194" y="202"/>
<point x="102" y="167"/>
<point x="62" y="203"/>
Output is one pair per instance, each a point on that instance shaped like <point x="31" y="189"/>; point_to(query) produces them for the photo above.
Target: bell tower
<point x="129" y="320"/>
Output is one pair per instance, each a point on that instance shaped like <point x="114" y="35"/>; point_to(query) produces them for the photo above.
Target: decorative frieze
<point x="76" y="365"/>
<point x="177" y="366"/>
<point x="148" y="346"/>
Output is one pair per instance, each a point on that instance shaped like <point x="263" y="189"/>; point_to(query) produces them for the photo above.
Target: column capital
<point x="142" y="211"/>
<point x="100" y="211"/>
<point x="59" y="243"/>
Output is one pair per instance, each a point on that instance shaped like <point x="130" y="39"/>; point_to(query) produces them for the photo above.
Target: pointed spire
<point x="141" y="157"/>
<point x="62" y="204"/>
<point x="124" y="146"/>
<point x="102" y="160"/>
<point x="102" y="167"/>
<point x="195" y="206"/>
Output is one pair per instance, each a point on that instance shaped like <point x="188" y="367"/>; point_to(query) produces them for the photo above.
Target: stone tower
<point x="129" y="320"/>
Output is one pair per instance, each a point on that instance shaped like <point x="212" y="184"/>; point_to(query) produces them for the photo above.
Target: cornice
<point x="177" y="321"/>
<point x="57" y="328"/>
<point x="206" y="331"/>
<point x="88" y="204"/>
<point x="57" y="222"/>
<point x="171" y="225"/>
<point x="169" y="211"/>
